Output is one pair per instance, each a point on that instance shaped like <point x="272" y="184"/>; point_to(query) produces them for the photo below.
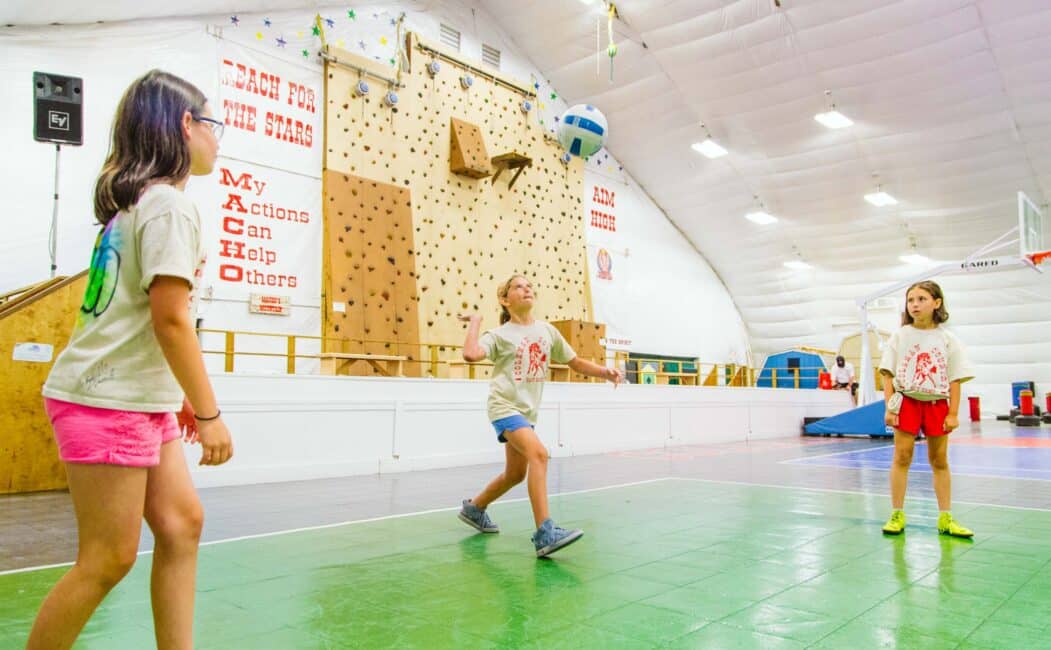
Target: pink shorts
<point x="90" y="435"/>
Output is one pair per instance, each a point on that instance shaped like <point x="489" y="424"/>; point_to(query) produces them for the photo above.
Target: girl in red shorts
<point x="925" y="365"/>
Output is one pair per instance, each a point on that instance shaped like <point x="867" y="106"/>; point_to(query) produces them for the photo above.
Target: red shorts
<point x="916" y="414"/>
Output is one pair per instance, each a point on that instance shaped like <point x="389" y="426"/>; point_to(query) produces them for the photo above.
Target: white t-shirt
<point x="521" y="356"/>
<point x="843" y="375"/>
<point x="925" y="362"/>
<point x="113" y="359"/>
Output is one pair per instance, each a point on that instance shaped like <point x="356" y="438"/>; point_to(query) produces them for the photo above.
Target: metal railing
<point x="444" y="360"/>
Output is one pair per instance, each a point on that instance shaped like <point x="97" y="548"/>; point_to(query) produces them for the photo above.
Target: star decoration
<point x="383" y="40"/>
<point x="306" y="54"/>
<point x="554" y="96"/>
<point x="266" y="21"/>
<point x="330" y="23"/>
<point x="235" y="20"/>
<point x="259" y="36"/>
<point x="362" y="45"/>
<point x="281" y="42"/>
<point x="316" y="31"/>
<point x="352" y="15"/>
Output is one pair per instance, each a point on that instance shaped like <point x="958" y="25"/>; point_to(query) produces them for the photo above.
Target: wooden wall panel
<point x="28" y="454"/>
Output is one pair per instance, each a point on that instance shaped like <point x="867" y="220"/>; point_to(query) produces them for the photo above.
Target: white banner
<point x="263" y="228"/>
<point x="272" y="110"/>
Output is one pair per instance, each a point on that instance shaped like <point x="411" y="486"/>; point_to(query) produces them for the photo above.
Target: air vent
<point x="490" y="56"/>
<point x="450" y="37"/>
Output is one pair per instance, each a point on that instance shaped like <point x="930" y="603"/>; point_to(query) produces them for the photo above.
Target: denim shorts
<point x="510" y="423"/>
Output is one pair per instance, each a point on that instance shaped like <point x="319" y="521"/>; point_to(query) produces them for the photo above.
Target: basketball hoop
<point x="1036" y="259"/>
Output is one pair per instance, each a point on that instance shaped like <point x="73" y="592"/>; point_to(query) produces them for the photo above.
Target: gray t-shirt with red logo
<point x="521" y="356"/>
<point x="924" y="362"/>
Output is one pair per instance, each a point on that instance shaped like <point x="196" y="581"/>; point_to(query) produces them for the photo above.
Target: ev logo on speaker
<point x="58" y="120"/>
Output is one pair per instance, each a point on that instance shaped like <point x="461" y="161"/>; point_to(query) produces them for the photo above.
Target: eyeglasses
<point x="217" y="126"/>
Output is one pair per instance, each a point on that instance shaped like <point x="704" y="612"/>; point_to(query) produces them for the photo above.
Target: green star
<point x="316" y="30"/>
<point x="554" y="96"/>
<point x="306" y="54"/>
<point x="352" y="15"/>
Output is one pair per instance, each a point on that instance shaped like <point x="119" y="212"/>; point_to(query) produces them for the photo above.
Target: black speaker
<point x="57" y="108"/>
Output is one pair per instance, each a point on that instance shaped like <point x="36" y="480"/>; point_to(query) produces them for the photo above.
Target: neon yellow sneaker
<point x="948" y="526"/>
<point x="896" y="524"/>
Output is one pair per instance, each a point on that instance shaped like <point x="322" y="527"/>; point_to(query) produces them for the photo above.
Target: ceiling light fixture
<point x="912" y="257"/>
<point x="761" y="218"/>
<point x="832" y="119"/>
<point x="759" y="215"/>
<point x="708" y="147"/>
<point x="880" y="199"/>
<point x="915" y="258"/>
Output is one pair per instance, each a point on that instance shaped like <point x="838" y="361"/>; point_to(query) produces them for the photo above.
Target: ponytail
<point x="501" y="293"/>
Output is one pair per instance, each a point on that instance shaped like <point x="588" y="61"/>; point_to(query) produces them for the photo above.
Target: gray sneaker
<point x="549" y="538"/>
<point x="477" y="518"/>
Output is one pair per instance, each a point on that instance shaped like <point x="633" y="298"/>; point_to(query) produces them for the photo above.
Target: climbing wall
<point x="370" y="277"/>
<point x="468" y="234"/>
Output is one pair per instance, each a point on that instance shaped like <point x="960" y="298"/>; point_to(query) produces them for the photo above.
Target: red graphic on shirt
<point x="531" y="358"/>
<point x="924" y="370"/>
<point x="536" y="359"/>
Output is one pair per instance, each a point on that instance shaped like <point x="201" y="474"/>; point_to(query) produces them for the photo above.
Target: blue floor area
<point x="1022" y="462"/>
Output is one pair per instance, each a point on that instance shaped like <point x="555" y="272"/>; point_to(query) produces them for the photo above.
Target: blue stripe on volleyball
<point x="587" y="125"/>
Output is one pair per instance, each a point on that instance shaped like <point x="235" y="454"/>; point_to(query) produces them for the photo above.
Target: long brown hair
<point x="501" y="293"/>
<point x="148" y="144"/>
<point x="941" y="314"/>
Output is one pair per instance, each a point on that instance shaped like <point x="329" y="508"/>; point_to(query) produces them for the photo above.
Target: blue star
<point x="266" y="21"/>
<point x="281" y="42"/>
<point x="393" y="23"/>
<point x="362" y="45"/>
<point x="557" y="118"/>
<point x="235" y="20"/>
<point x="330" y="22"/>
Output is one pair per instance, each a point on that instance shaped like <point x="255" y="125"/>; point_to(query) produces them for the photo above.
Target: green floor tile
<point x="683" y="564"/>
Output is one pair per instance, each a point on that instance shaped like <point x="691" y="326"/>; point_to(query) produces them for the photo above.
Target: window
<point x="490" y="56"/>
<point x="450" y="37"/>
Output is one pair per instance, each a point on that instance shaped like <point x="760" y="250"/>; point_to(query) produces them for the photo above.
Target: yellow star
<point x="259" y="36"/>
<point x="383" y="40"/>
<point x="542" y="107"/>
<point x="340" y="43"/>
<point x="299" y="34"/>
